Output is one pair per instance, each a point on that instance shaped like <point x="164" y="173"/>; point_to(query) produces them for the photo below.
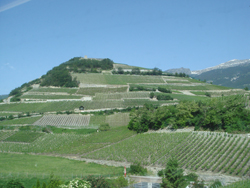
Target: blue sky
<point x="36" y="35"/>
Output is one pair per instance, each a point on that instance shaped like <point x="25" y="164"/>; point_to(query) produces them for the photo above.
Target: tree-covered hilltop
<point x="224" y="113"/>
<point x="60" y="75"/>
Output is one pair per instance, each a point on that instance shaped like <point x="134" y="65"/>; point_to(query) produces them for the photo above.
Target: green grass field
<point x="36" y="165"/>
<point x="116" y="79"/>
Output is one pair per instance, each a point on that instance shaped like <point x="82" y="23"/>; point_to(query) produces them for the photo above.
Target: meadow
<point x="29" y="168"/>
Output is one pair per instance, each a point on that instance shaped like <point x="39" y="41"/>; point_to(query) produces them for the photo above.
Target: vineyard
<point x="64" y="120"/>
<point x="22" y="136"/>
<point x="64" y="143"/>
<point x="229" y="154"/>
<point x="144" y="148"/>
<point x="183" y="86"/>
<point x="93" y="90"/>
<point x="50" y="97"/>
<point x="118" y="119"/>
<point x="54" y="90"/>
<point x="117" y="96"/>
<point x="20" y="121"/>
<point x="116" y="79"/>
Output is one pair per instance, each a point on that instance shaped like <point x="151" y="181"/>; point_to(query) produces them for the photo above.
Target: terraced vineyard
<point x="93" y="90"/>
<point x="118" y="119"/>
<point x="116" y="79"/>
<point x="116" y="96"/>
<point x="53" y="90"/>
<point x="20" y="121"/>
<point x="217" y="152"/>
<point x="65" y="143"/>
<point x="51" y="97"/>
<point x="144" y="148"/>
<point x="64" y="120"/>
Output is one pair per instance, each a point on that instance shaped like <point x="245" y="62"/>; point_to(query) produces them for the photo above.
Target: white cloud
<point x="12" y="5"/>
<point x="8" y="66"/>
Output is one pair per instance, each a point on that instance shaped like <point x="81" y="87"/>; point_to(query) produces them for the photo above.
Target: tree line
<point x="224" y="113"/>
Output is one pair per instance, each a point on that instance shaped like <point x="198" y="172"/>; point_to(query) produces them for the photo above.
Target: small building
<point x="81" y="108"/>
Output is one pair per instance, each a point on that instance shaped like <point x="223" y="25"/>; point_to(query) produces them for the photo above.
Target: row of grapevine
<point x="144" y="148"/>
<point x="127" y="95"/>
<point x="219" y="153"/>
<point x="64" y="120"/>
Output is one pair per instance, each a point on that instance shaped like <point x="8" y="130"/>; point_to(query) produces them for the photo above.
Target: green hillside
<point x="44" y="117"/>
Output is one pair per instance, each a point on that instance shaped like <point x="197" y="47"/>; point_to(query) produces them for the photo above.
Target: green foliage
<point x="104" y="127"/>
<point x="173" y="175"/>
<point x="77" y="183"/>
<point x="163" y="97"/>
<point x="98" y="182"/>
<point x="58" y="77"/>
<point x="137" y="169"/>
<point x="246" y="88"/>
<point x="164" y="90"/>
<point x="119" y="182"/>
<point x="14" y="184"/>
<point x="208" y="94"/>
<point x="216" y="184"/>
<point x="227" y="113"/>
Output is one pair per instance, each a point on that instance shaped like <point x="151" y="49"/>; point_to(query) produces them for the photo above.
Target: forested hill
<point x="60" y="76"/>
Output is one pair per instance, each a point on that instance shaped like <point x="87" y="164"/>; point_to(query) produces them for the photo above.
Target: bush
<point x="120" y="182"/>
<point x="137" y="169"/>
<point x="164" y="97"/>
<point x="14" y="184"/>
<point x="208" y="94"/>
<point x="164" y="90"/>
<point x="98" y="182"/>
<point x="104" y="127"/>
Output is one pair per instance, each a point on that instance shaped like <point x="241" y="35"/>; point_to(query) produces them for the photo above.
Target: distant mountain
<point x="3" y="96"/>
<point x="179" y="70"/>
<point x="234" y="73"/>
<point x="232" y="63"/>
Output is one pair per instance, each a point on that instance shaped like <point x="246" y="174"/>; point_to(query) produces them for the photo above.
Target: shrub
<point x="151" y="95"/>
<point x="98" y="182"/>
<point x="164" y="90"/>
<point x="14" y="184"/>
<point x="77" y="183"/>
<point x="120" y="182"/>
<point x="137" y="169"/>
<point x="208" y="94"/>
<point x="104" y="127"/>
<point x="164" y="97"/>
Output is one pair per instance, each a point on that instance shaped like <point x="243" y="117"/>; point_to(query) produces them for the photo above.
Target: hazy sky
<point x="36" y="35"/>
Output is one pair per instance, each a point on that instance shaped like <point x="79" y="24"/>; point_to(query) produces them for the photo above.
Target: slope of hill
<point x="62" y="121"/>
<point x="232" y="63"/>
<point x="237" y="76"/>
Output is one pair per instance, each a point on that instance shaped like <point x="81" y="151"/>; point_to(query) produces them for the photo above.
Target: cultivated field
<point x="116" y="79"/>
<point x="93" y="90"/>
<point x="64" y="120"/>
